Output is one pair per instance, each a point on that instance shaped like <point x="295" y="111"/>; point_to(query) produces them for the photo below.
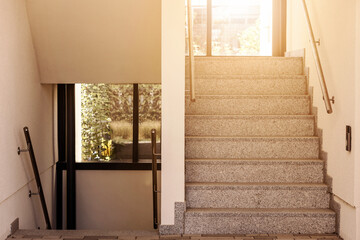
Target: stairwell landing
<point x="252" y="156"/>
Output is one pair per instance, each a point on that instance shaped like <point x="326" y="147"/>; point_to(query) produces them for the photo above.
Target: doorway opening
<point x="238" y="27"/>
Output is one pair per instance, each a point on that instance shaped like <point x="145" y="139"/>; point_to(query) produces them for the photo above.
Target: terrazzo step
<point x="249" y="125"/>
<point x="256" y="195"/>
<point x="249" y="85"/>
<point x="246" y="65"/>
<point x="258" y="221"/>
<point x="252" y="147"/>
<point x="248" y="105"/>
<point x="254" y="170"/>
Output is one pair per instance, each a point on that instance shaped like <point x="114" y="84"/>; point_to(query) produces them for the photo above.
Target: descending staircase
<point x="252" y="156"/>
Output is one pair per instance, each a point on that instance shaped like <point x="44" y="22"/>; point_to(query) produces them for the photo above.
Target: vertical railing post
<point x="191" y="52"/>
<point x="154" y="178"/>
<point x="209" y="28"/>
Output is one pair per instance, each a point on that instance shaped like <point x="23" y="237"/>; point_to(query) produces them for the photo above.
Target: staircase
<point x="252" y="156"/>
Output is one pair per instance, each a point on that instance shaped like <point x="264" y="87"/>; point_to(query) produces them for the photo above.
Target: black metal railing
<point x="154" y="179"/>
<point x="40" y="192"/>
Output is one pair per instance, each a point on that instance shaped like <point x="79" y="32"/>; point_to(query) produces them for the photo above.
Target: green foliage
<point x="107" y="114"/>
<point x="145" y="130"/>
<point x="249" y="40"/>
<point x="121" y="132"/>
<point x="121" y="101"/>
<point x="249" y="43"/>
<point x="149" y="102"/>
<point x="95" y="112"/>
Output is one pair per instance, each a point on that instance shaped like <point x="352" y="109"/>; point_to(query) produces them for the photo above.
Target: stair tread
<point x="249" y="76"/>
<point x="252" y="159"/>
<point x="256" y="184"/>
<point x="247" y="96"/>
<point x="308" y="116"/>
<point x="260" y="210"/>
<point x="253" y="137"/>
<point x="234" y="58"/>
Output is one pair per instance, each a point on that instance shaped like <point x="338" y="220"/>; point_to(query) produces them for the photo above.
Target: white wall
<point x="173" y="107"/>
<point x="114" y="200"/>
<point x="336" y="23"/>
<point x="97" y="41"/>
<point x="357" y="112"/>
<point x="23" y="102"/>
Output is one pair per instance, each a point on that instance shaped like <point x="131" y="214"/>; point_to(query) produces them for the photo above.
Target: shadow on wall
<point x="328" y="180"/>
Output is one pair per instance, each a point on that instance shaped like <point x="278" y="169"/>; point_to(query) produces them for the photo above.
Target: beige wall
<point x="23" y="102"/>
<point x="114" y="200"/>
<point x="336" y="23"/>
<point x="90" y="41"/>
<point x="173" y="108"/>
<point x="125" y="202"/>
<point x="357" y="109"/>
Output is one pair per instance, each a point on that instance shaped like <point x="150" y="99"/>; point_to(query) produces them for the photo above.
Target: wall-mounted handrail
<point x="154" y="178"/>
<point x="37" y="176"/>
<point x="191" y="52"/>
<point x="317" y="61"/>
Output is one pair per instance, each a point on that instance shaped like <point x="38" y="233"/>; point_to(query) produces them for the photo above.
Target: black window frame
<point x="66" y="153"/>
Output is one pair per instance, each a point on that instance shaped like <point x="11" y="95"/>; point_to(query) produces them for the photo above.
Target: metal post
<point x="209" y="28"/>
<point x="191" y="52"/>
<point x="154" y="178"/>
<point x="59" y="198"/>
<point x="70" y="157"/>
<point x="135" y="152"/>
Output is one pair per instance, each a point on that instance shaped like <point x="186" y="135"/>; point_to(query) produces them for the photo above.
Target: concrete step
<point x="249" y="85"/>
<point x="256" y="195"/>
<point x="248" y="105"/>
<point x="246" y="65"/>
<point x="249" y="125"/>
<point x="258" y="221"/>
<point x="254" y="170"/>
<point x="252" y="147"/>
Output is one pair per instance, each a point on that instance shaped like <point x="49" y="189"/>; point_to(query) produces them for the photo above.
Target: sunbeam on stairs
<point x="252" y="156"/>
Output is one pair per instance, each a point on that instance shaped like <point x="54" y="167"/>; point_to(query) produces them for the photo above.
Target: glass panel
<point x="106" y="122"/>
<point x="241" y="27"/>
<point x="149" y="118"/>
<point x="121" y="125"/>
<point x="199" y="15"/>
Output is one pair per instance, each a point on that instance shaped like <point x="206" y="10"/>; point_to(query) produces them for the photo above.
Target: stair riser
<point x="254" y="172"/>
<point x="255" y="148"/>
<point x="242" y="197"/>
<point x="249" y="86"/>
<point x="248" y="105"/>
<point x="248" y="224"/>
<point x="246" y="65"/>
<point x="248" y="126"/>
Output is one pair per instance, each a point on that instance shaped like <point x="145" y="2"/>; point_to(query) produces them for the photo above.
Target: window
<point x="236" y="27"/>
<point x="199" y="15"/>
<point x="114" y="122"/>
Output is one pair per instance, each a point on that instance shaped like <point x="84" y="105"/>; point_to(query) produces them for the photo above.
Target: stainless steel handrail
<point x="317" y="62"/>
<point x="191" y="52"/>
<point x="154" y="178"/>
